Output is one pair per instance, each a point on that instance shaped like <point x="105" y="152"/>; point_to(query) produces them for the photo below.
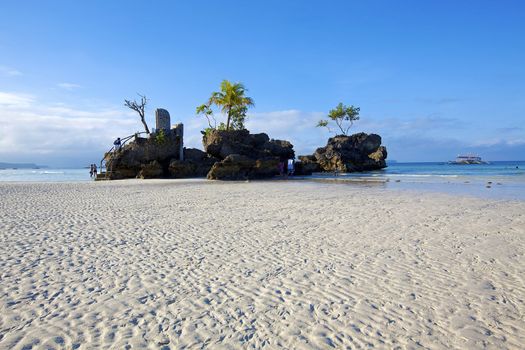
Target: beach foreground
<point x="190" y="264"/>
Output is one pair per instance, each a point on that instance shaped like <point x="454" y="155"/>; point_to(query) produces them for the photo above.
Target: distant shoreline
<point x="5" y="165"/>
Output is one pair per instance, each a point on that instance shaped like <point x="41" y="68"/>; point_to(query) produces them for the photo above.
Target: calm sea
<point x="504" y="180"/>
<point x="44" y="175"/>
<point x="422" y="171"/>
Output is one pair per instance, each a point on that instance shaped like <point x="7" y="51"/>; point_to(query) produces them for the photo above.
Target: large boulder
<point x="307" y="165"/>
<point x="196" y="163"/>
<point x="358" y="152"/>
<point x="233" y="167"/>
<point x="144" y="157"/>
<point x="151" y="170"/>
<point x="243" y="155"/>
<point x="239" y="167"/>
<point x="222" y="143"/>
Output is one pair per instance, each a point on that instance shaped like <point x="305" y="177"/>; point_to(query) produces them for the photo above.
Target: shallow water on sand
<point x="503" y="180"/>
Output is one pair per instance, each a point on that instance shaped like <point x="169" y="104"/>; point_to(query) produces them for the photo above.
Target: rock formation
<point x="230" y="155"/>
<point x="235" y="155"/>
<point x="196" y="163"/>
<point x="145" y="157"/>
<point x="358" y="152"/>
<point x="307" y="165"/>
<point x="243" y="155"/>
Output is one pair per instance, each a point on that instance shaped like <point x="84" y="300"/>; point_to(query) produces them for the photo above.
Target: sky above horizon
<point x="433" y="78"/>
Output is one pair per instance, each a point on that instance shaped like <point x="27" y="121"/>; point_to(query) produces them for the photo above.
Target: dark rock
<point x="182" y="169"/>
<point x="151" y="170"/>
<point x="307" y="165"/>
<point x="194" y="154"/>
<point x="265" y="168"/>
<point x="196" y="163"/>
<point x="239" y="167"/>
<point x="221" y="143"/>
<point x="358" y="152"/>
<point x="245" y="156"/>
<point x="277" y="148"/>
<point x="233" y="167"/>
<point x="136" y="159"/>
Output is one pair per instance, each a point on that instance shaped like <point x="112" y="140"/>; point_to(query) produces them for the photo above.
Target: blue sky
<point x="433" y="78"/>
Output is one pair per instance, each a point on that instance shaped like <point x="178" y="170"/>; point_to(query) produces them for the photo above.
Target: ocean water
<point x="500" y="179"/>
<point x="44" y="175"/>
<point x="422" y="171"/>
<point x="505" y="180"/>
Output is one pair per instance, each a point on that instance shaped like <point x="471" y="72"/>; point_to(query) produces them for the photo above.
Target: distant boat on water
<point x="468" y="159"/>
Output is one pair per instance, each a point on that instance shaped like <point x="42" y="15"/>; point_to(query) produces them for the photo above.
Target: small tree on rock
<point x="342" y="116"/>
<point x="139" y="108"/>
<point x="206" y="111"/>
<point x="232" y="101"/>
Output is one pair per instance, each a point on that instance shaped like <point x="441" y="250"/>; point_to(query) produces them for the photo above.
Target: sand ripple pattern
<point x="191" y="265"/>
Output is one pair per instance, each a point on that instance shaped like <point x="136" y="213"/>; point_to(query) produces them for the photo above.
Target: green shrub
<point x="160" y="137"/>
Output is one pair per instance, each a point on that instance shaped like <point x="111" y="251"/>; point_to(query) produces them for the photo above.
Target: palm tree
<point x="232" y="101"/>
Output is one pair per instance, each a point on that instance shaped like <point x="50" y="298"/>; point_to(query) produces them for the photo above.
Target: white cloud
<point x="292" y="125"/>
<point x="45" y="133"/>
<point x="299" y="127"/>
<point x="56" y="133"/>
<point x="9" y="72"/>
<point x="68" y="86"/>
<point x="15" y="100"/>
<point x="192" y="132"/>
<point x="498" y="141"/>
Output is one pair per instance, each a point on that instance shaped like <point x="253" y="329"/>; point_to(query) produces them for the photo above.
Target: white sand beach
<point x="287" y="264"/>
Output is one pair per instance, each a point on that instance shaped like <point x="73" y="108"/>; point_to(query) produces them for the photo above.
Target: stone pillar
<point x="162" y="119"/>
<point x="179" y="131"/>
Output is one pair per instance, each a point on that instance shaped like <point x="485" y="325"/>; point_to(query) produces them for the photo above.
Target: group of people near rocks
<point x="93" y="170"/>
<point x="290" y="167"/>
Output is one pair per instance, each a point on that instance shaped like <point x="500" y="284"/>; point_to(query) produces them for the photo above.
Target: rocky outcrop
<point x="158" y="156"/>
<point x="221" y="143"/>
<point x="229" y="155"/>
<point x="243" y="155"/>
<point x="144" y="157"/>
<point x="233" y="167"/>
<point x="151" y="170"/>
<point x="307" y="165"/>
<point x="239" y="167"/>
<point x="358" y="152"/>
<point x="196" y="163"/>
<point x="239" y="155"/>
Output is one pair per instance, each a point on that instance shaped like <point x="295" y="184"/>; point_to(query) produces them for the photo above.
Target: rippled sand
<point x="191" y="264"/>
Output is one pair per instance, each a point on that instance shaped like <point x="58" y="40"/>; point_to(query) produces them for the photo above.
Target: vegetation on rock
<point x="342" y="116"/>
<point x="160" y="137"/>
<point x="232" y="101"/>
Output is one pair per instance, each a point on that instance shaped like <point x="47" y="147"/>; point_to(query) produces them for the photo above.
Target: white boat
<point x="468" y="159"/>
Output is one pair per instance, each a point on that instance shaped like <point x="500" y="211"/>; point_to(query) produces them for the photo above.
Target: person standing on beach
<point x="91" y="170"/>
<point x="94" y="170"/>
<point x="291" y="169"/>
<point x="281" y="168"/>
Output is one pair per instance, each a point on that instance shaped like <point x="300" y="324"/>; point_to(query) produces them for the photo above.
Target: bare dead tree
<point x="139" y="108"/>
